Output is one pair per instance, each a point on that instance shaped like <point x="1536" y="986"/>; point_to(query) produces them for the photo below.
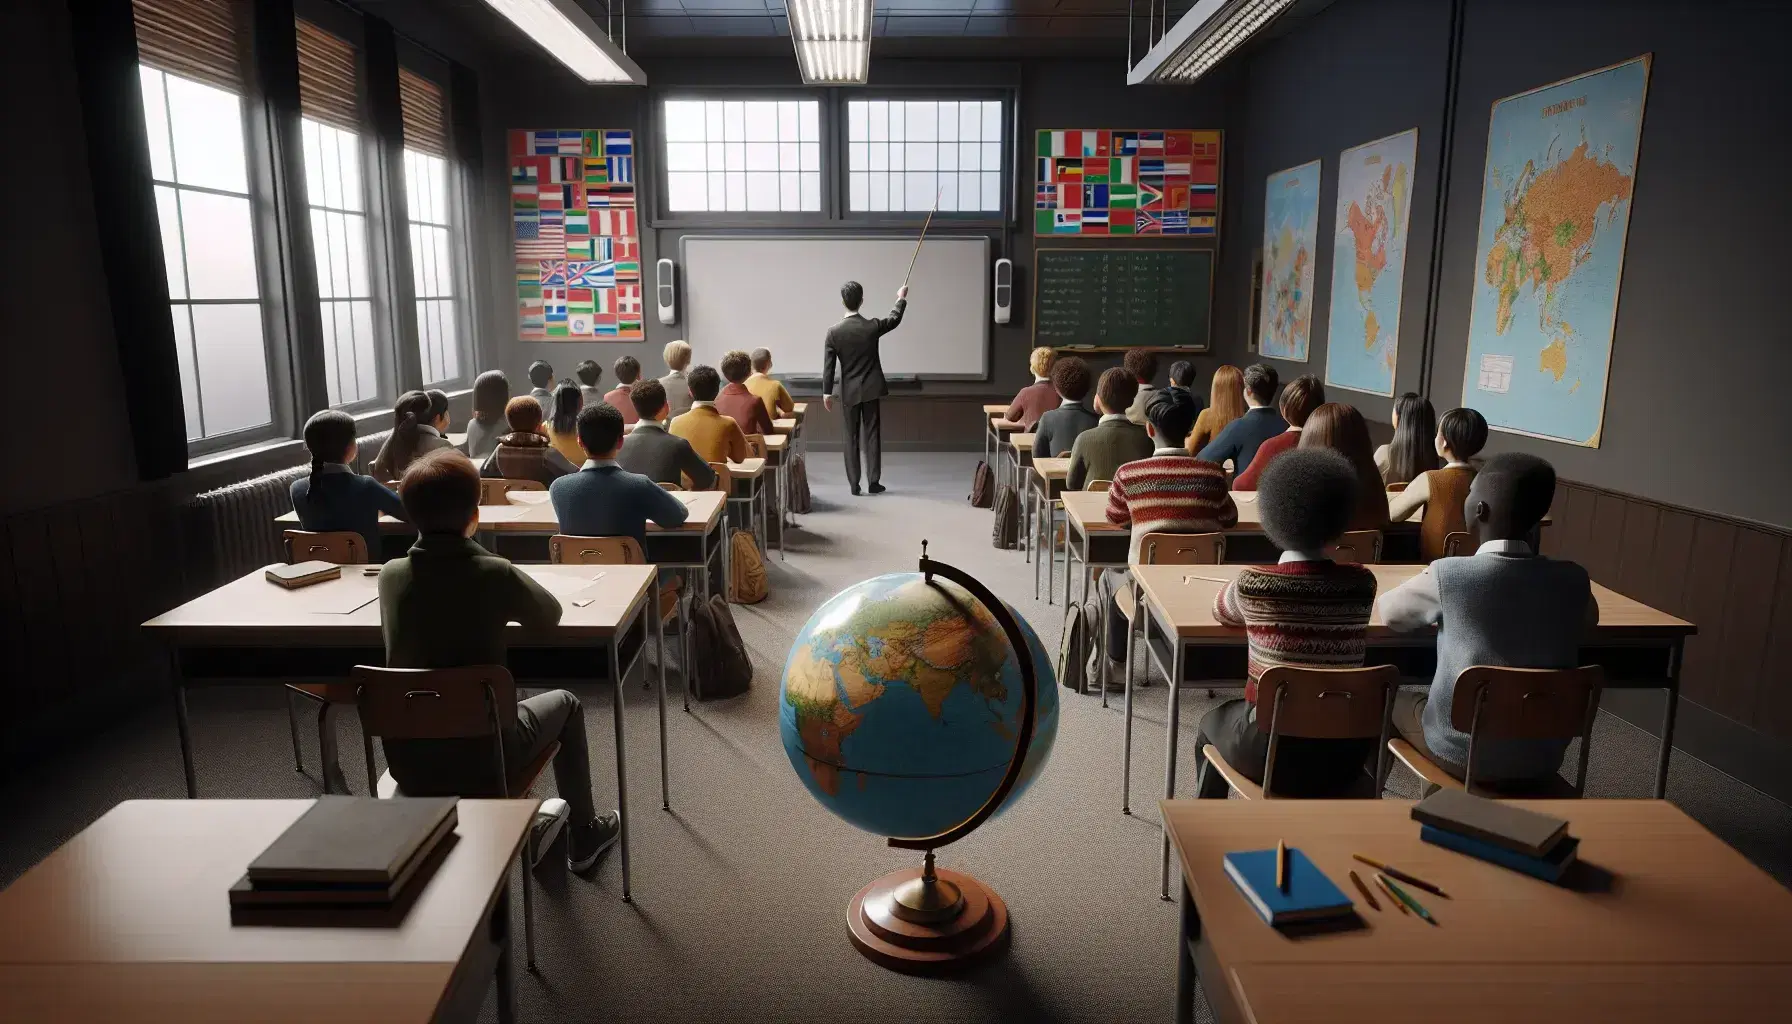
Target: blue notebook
<point x="1310" y="897"/>
<point x="1550" y="867"/>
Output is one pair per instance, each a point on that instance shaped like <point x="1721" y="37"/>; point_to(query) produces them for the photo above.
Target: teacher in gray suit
<point x="852" y="343"/>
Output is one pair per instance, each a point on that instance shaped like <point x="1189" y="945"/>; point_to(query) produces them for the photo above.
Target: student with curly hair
<point x="1058" y="429"/>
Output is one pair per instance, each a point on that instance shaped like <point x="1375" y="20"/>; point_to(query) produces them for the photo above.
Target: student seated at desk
<point x="716" y="438"/>
<point x="1225" y="403"/>
<point x="769" y="389"/>
<point x="736" y="402"/>
<point x="418" y="422"/>
<point x="525" y="453"/>
<point x="1170" y="492"/>
<point x="590" y="377"/>
<point x="678" y="391"/>
<point x="1114" y="440"/>
<point x="541" y="384"/>
<point x="1342" y="429"/>
<point x="656" y="454"/>
<point x="563" y="429"/>
<point x="603" y="499"/>
<point x="1410" y="454"/>
<point x="1441" y="492"/>
<point x="1142" y="364"/>
<point x="1239" y="440"/>
<point x="1306" y="610"/>
<point x="1037" y="398"/>
<point x="491" y="393"/>
<point x="1302" y="395"/>
<point x="1182" y="377"/>
<point x="1058" y="430"/>
<point x="447" y="605"/>
<point x="1504" y="605"/>
<point x="334" y="496"/>
<point x="628" y="370"/>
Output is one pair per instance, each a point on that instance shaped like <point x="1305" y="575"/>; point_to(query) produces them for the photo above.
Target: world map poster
<point x="573" y="218"/>
<point x="1555" y="210"/>
<point x="1369" y="262"/>
<point x="1290" y="240"/>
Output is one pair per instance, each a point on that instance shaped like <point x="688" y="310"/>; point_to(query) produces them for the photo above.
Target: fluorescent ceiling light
<point x="1202" y="38"/>
<point x="833" y="40"/>
<point x="563" y="29"/>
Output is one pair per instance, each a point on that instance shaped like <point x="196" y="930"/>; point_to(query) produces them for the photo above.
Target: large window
<point x="743" y="156"/>
<point x="198" y="160"/>
<point x="903" y="154"/>
<point x="431" y="228"/>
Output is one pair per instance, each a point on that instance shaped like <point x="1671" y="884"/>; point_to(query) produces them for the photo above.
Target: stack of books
<point x="350" y="851"/>
<point x="1498" y="833"/>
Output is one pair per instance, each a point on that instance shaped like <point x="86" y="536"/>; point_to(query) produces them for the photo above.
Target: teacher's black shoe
<point x="878" y="488"/>
<point x="855" y="490"/>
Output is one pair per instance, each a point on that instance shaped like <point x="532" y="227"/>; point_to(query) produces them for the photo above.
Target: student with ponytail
<point x="334" y="496"/>
<point x="417" y="424"/>
<point x="563" y="429"/>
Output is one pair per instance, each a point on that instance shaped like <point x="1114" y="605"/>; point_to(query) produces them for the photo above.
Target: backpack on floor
<point x="983" y="483"/>
<point x="746" y="571"/>
<point x="1006" y="532"/>
<point x="1077" y="643"/>
<point x="719" y="665"/>
<point x="797" y="501"/>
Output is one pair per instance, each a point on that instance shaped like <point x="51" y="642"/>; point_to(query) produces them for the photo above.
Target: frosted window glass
<point x="762" y="191"/>
<point x="685" y="191"/>
<point x="762" y="156"/>
<point x="207" y="127"/>
<point x="922" y="121"/>
<point x="233" y="367"/>
<point x="155" y="120"/>
<point x="168" y="218"/>
<point x="684" y="156"/>
<point x="220" y="246"/>
<point x="761" y="122"/>
<point x="811" y="191"/>
<point x="684" y="121"/>
<point x="189" y="375"/>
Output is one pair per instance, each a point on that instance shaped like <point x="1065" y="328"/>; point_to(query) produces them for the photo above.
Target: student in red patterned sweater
<point x="1169" y="492"/>
<point x="1305" y="610"/>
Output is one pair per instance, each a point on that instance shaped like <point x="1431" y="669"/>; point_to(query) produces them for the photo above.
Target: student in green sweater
<point x="448" y="604"/>
<point x="1114" y="440"/>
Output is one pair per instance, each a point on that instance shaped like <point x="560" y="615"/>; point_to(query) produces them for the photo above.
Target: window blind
<point x="327" y="81"/>
<point x="425" y="119"/>
<point x="192" y="38"/>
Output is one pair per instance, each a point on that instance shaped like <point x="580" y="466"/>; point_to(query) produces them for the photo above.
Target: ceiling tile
<point x="733" y="26"/>
<point x="732" y="6"/>
<point x="929" y="25"/>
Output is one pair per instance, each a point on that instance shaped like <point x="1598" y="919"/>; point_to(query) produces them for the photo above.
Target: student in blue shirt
<point x="604" y="500"/>
<point x="334" y="496"/>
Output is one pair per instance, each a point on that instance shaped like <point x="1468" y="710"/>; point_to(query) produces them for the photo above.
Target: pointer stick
<point x="918" y="241"/>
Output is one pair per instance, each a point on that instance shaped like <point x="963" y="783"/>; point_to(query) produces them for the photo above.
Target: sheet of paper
<point x="502" y="513"/>
<point x="527" y="497"/>
<point x="565" y="585"/>
<point x="336" y="597"/>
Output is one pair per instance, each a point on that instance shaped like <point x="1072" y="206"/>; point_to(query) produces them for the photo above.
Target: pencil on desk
<point x="1208" y="579"/>
<point x="1360" y="887"/>
<point x="1395" y="900"/>
<point x="1397" y="874"/>
<point x="1405" y="897"/>
<point x="1281" y="865"/>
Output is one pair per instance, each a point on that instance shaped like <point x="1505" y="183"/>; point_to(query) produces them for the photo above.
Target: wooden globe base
<point x="978" y="929"/>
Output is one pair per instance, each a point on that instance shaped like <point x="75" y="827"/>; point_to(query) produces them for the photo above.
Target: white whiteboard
<point x="783" y="293"/>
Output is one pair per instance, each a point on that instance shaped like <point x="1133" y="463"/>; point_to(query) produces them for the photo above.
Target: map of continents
<point x="1555" y="208"/>
<point x="1290" y="240"/>
<point x="1369" y="262"/>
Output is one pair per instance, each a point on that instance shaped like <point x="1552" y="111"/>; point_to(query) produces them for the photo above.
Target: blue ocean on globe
<point x="900" y="705"/>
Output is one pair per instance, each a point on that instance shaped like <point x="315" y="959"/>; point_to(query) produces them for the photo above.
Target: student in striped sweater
<point x="1306" y="610"/>
<point x="1169" y="492"/>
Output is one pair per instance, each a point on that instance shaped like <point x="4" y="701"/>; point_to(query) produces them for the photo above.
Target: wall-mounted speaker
<point x="1004" y="290"/>
<point x="665" y="291"/>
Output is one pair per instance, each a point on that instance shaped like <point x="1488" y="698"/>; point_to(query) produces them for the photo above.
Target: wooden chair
<point x="565" y="549"/>
<point x="756" y="445"/>
<point x="475" y="702"/>
<point x="1098" y="485"/>
<point x="1167" y="549"/>
<point x="1458" y="543"/>
<point x="724" y="478"/>
<point x="1357" y="547"/>
<point x="343" y="547"/>
<point x="1397" y="487"/>
<point x="1515" y="704"/>
<point x="1319" y="703"/>
<point x="491" y="489"/>
<point x="670" y="487"/>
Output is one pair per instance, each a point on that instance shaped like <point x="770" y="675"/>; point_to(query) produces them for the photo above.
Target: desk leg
<point x="180" y="721"/>
<point x="1026" y="524"/>
<point x="1106" y="654"/>
<point x="1069" y="540"/>
<point x="659" y="644"/>
<point x="1188" y="930"/>
<point x="1138" y="608"/>
<point x="1672" y="699"/>
<point x="621" y="767"/>
<point x="501" y="935"/>
<point x="1175" y="683"/>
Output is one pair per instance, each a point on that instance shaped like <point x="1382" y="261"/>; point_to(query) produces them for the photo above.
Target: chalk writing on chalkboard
<point x="1132" y="297"/>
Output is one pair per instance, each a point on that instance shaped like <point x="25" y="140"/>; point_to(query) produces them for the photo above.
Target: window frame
<point x="937" y="94"/>
<point x="461" y="186"/>
<point x="663" y="217"/>
<point x="384" y="391"/>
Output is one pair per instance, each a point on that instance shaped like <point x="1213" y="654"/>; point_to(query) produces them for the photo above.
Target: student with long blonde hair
<point x="1225" y="403"/>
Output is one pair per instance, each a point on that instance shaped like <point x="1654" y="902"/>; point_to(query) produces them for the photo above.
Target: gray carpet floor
<point x="741" y="890"/>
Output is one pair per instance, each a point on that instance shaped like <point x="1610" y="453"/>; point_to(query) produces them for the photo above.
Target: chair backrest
<point x="434" y="704"/>
<point x="1098" y="485"/>
<point x="1327" y="703"/>
<point x="756" y="445"/>
<point x="669" y="487"/>
<point x="1396" y="487"/>
<point x="1457" y="543"/>
<point x="565" y="549"/>
<point x="1182" y="549"/>
<point x="1357" y="547"/>
<point x="724" y="478"/>
<point x="343" y="547"/>
<point x="491" y="490"/>
<point x="1527" y="704"/>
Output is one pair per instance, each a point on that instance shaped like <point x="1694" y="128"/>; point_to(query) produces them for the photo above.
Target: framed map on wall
<point x="1290" y="245"/>
<point x="1122" y="182"/>
<point x="573" y="217"/>
<point x="1369" y="263"/>
<point x="1555" y="212"/>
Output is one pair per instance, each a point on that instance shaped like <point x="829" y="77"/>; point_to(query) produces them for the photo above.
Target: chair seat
<point x="1553" y="788"/>
<point x="520" y="781"/>
<point x="325" y="693"/>
<point x="1123" y="595"/>
<point x="1242" y="786"/>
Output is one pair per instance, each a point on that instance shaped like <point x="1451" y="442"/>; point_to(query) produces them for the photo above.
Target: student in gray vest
<point x="1505" y="605"/>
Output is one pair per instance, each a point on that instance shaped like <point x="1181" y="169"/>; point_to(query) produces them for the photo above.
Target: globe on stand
<point x="917" y="706"/>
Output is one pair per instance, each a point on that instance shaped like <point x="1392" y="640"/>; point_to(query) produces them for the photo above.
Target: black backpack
<point x="797" y="501"/>
<point x="720" y="667"/>
<point x="1079" y="639"/>
<point x="1006" y="532"/>
<point x="983" y="482"/>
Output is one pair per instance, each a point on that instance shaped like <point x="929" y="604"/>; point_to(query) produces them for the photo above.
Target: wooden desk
<point x="129" y="921"/>
<point x="250" y="632"/>
<point x="1089" y="537"/>
<point x="1639" y="647"/>
<point x="995" y="430"/>
<point x="1688" y="931"/>
<point x="1044" y="484"/>
<point x="749" y="490"/>
<point x="458" y="440"/>
<point x="777" y="455"/>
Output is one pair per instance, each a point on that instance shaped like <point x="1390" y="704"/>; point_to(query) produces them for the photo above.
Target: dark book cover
<point x="1491" y="821"/>
<point x="349" y="840"/>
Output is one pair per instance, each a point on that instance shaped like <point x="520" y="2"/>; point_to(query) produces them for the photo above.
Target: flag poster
<point x="578" y="258"/>
<point x="1111" y="182"/>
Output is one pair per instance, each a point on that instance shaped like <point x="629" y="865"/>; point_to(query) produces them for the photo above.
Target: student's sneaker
<point x="585" y="843"/>
<point x="1108" y="673"/>
<point x="550" y="819"/>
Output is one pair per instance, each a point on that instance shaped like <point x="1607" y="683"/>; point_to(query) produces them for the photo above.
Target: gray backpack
<point x="1005" y="534"/>
<point x="1080" y="639"/>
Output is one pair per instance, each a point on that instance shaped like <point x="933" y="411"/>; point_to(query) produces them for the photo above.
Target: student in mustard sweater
<point x="1114" y="440"/>
<point x="563" y="429"/>
<point x="715" y="437"/>
<point x="334" y="496"/>
<point x="769" y="389"/>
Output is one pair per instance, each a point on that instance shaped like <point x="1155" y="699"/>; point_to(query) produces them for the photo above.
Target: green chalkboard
<point x="1147" y="298"/>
